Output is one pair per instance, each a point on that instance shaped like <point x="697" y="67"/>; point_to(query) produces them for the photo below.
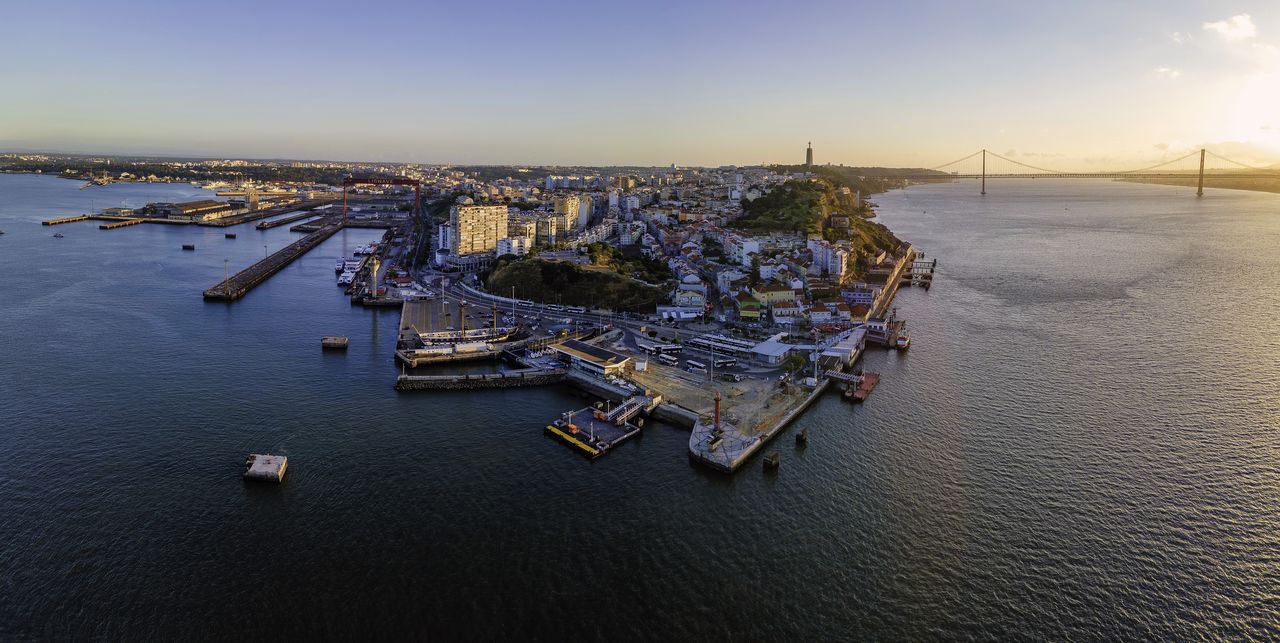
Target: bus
<point x="576" y="309"/>
<point x="669" y="360"/>
<point x="696" y="367"/>
<point x="722" y="362"/>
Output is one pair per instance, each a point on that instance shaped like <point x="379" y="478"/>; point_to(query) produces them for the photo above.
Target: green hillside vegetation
<point x="631" y="264"/>
<point x="568" y="284"/>
<point x="808" y="206"/>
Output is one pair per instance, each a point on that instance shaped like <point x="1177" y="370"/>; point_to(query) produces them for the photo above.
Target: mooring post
<point x="1200" y="187"/>
<point x="984" y="171"/>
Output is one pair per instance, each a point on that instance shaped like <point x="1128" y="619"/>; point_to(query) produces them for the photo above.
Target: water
<point x="1082" y="442"/>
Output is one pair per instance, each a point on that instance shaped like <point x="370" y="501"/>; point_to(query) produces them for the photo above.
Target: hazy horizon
<point x="1078" y="87"/>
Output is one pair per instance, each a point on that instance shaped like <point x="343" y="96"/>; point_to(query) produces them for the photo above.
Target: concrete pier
<point x="270" y="468"/>
<point x="242" y="282"/>
<point x="120" y="224"/>
<point x="83" y="217"/>
<point x="508" y="379"/>
<point x="729" y="449"/>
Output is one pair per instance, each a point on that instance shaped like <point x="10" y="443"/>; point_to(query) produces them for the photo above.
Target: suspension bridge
<point x="985" y="164"/>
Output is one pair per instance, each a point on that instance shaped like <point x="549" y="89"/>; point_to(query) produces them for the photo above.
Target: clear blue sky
<point x="910" y="83"/>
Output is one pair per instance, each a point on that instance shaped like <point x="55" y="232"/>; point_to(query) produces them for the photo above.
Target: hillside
<point x="817" y="206"/>
<point x="565" y="283"/>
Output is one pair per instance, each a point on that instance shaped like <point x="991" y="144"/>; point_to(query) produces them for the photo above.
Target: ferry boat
<point x="903" y="342"/>
<point x="346" y="278"/>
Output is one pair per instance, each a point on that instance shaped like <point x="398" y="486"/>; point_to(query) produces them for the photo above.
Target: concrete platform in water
<point x="592" y="431"/>
<point x="271" y="468"/>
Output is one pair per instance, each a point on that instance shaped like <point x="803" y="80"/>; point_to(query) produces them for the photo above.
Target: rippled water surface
<point x="1082" y="443"/>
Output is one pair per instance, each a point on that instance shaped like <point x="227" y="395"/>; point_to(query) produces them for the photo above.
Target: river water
<point x="1081" y="443"/>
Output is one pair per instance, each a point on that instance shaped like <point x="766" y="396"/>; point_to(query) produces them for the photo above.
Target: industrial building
<point x="595" y="360"/>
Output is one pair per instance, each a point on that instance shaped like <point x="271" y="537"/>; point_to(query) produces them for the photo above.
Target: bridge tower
<point x="984" y="171"/>
<point x="1200" y="187"/>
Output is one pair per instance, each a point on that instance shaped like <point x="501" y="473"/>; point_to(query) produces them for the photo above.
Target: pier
<point x="83" y="217"/>
<point x="120" y="224"/>
<point x="275" y="223"/>
<point x="507" y="379"/>
<point x="258" y="215"/>
<point x="242" y="282"/>
<point x="594" y="432"/>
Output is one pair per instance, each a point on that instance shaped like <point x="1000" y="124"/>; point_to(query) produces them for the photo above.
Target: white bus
<point x="722" y="362"/>
<point x="669" y="360"/>
<point x="696" y="367"/>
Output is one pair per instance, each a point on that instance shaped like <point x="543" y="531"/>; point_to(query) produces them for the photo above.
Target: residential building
<point x="477" y="228"/>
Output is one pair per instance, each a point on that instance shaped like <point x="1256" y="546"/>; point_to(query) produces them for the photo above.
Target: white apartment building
<point x="518" y="246"/>
<point x="477" y="228"/>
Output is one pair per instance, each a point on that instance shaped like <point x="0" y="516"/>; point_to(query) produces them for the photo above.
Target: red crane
<point x="353" y="180"/>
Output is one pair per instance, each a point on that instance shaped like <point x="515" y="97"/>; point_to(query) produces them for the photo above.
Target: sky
<point x="1080" y="85"/>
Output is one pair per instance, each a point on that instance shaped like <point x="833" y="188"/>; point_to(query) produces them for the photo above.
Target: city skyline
<point x="573" y="84"/>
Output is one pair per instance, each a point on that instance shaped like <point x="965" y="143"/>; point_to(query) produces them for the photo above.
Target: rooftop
<point x="593" y="354"/>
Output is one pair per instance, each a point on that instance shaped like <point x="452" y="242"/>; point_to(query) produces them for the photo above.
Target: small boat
<point x="188" y="246"/>
<point x="903" y="342"/>
<point x="230" y="235"/>
<point x="802" y="438"/>
<point x="338" y="268"/>
<point x="772" y="461"/>
<point x="58" y="235"/>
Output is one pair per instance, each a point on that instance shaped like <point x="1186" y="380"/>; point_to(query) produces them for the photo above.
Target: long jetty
<point x="242" y="282"/>
<point x="120" y="224"/>
<point x="508" y="379"/>
<point x="275" y="223"/>
<point x="83" y="217"/>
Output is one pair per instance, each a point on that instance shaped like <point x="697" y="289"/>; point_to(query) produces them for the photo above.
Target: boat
<point x="346" y="278"/>
<point x="188" y="246"/>
<point x="341" y="263"/>
<point x="903" y="342"/>
<point x="58" y="235"/>
<point x="230" y="235"/>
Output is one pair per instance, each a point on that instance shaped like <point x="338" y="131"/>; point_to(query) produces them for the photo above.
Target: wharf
<point x="506" y="379"/>
<point x="242" y="282"/>
<point x="270" y="468"/>
<point x="275" y="223"/>
<point x="120" y="224"/>
<point x="595" y="431"/>
<point x="257" y="215"/>
<point x="729" y="448"/>
<point x="62" y="220"/>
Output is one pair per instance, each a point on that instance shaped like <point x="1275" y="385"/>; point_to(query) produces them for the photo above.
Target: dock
<point x="865" y="383"/>
<point x="258" y="215"/>
<point x="120" y="224"/>
<point x="83" y="217"/>
<point x="242" y="282"/>
<point x="593" y="432"/>
<point x="721" y="446"/>
<point x="505" y="379"/>
<point x="275" y="223"/>
<point x="269" y="468"/>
